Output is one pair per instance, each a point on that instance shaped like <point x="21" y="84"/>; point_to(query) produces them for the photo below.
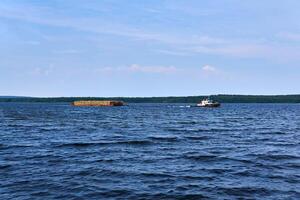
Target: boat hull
<point x="213" y="105"/>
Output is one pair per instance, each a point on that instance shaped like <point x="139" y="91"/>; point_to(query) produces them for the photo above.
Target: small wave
<point x="197" y="137"/>
<point x="293" y="165"/>
<point x="283" y="157"/>
<point x="79" y="144"/>
<point x="219" y="171"/>
<point x="200" y="157"/>
<point x="16" y="146"/>
<point x="115" y="193"/>
<point x="49" y="129"/>
<point x="5" y="166"/>
<point x="191" y="177"/>
<point x="285" y="144"/>
<point x="104" y="160"/>
<point x="275" y="157"/>
<point x="243" y="191"/>
<point x="87" y="144"/>
<point x="245" y="173"/>
<point x="118" y="192"/>
<point x="273" y="133"/>
<point x="186" y="122"/>
<point x="56" y="161"/>
<point x="159" y="175"/>
<point x="134" y="142"/>
<point x="166" y="139"/>
<point x="169" y="195"/>
<point x="174" y="129"/>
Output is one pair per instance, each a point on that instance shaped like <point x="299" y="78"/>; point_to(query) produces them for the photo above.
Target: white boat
<point x="208" y="103"/>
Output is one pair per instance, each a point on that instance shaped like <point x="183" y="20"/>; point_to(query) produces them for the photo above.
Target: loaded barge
<point x="98" y="103"/>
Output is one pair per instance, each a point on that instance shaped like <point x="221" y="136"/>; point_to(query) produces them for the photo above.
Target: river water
<point x="149" y="151"/>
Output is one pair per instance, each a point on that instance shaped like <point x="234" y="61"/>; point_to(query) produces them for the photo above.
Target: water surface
<point x="149" y="151"/>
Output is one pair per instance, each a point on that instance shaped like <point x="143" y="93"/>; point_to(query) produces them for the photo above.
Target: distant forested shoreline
<point x="173" y="99"/>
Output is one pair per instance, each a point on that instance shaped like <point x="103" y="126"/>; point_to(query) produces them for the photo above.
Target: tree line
<point x="222" y="98"/>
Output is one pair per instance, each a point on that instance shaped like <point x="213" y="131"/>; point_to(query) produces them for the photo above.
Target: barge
<point x="97" y="103"/>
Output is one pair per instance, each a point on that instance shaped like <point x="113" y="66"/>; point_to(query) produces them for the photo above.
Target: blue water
<point x="149" y="151"/>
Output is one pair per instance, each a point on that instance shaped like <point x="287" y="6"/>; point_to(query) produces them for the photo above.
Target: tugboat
<point x="208" y="103"/>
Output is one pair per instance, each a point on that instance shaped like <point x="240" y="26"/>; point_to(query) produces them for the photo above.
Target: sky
<point x="111" y="48"/>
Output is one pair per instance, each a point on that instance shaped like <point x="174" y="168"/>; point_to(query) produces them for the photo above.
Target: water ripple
<point x="149" y="151"/>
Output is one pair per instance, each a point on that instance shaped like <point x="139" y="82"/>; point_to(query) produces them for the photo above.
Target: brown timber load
<point x="97" y="103"/>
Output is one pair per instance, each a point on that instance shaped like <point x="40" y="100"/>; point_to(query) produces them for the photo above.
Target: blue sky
<point x="149" y="48"/>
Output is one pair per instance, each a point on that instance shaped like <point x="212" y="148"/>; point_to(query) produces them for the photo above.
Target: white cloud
<point x="152" y="69"/>
<point x="289" y="36"/>
<point x="42" y="71"/>
<point x="67" y="51"/>
<point x="173" y="53"/>
<point x="236" y="50"/>
<point x="210" y="71"/>
<point x="180" y="44"/>
<point x="209" y="68"/>
<point x="135" y="68"/>
<point x="31" y="42"/>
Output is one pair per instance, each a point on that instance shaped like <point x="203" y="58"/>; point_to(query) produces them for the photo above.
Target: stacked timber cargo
<point x="97" y="103"/>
